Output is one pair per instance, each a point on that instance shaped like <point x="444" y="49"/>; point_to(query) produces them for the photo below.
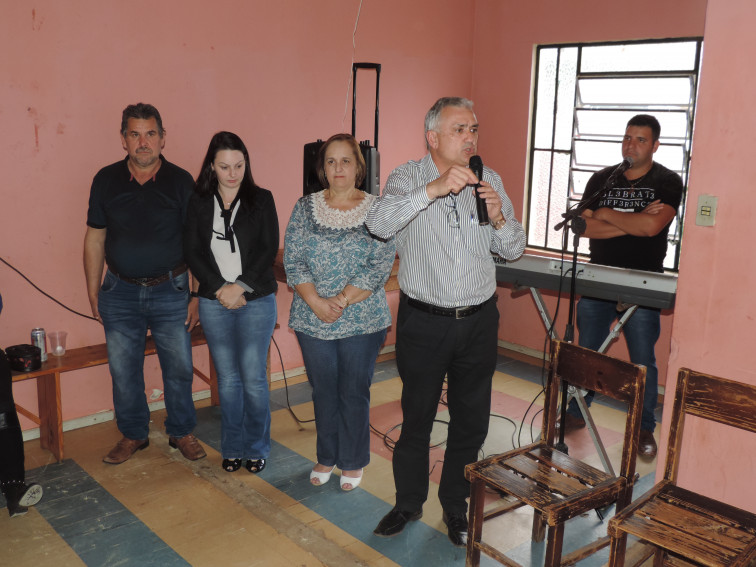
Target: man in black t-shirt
<point x="135" y="225"/>
<point x="627" y="227"/>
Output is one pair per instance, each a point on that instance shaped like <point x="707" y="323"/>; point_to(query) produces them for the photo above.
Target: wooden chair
<point x="682" y="527"/>
<point x="559" y="487"/>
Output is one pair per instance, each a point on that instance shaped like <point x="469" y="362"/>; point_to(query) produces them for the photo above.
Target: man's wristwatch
<point x="193" y="294"/>
<point x="499" y="224"/>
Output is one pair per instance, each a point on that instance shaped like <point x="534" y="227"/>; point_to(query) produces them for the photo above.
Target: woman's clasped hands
<point x="231" y="296"/>
<point x="328" y="309"/>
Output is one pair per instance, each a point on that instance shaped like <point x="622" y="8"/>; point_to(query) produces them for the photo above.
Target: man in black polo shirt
<point x="134" y="223"/>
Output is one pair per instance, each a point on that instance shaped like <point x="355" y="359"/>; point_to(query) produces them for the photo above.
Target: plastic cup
<point x="57" y="342"/>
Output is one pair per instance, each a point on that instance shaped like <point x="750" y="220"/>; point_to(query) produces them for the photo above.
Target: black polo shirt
<point x="144" y="223"/>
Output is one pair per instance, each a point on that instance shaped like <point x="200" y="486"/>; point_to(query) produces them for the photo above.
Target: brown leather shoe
<point x="189" y="447"/>
<point x="572" y="424"/>
<point x="124" y="449"/>
<point x="647" y="444"/>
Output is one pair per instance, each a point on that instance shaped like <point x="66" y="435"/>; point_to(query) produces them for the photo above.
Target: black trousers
<point x="11" y="440"/>
<point x="429" y="348"/>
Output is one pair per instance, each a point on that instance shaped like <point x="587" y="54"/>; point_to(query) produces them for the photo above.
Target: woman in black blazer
<point x="230" y="241"/>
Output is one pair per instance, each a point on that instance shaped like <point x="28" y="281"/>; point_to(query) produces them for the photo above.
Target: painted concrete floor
<point x="160" y="509"/>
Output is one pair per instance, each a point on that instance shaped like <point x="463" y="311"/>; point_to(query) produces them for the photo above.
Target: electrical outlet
<point x="707" y="210"/>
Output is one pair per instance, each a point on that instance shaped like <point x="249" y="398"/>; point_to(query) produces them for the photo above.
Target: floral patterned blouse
<point x="332" y="248"/>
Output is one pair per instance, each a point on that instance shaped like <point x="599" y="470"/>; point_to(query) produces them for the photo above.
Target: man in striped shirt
<point x="448" y="320"/>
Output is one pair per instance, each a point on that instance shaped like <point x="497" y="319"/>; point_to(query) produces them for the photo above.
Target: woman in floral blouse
<point x="339" y="312"/>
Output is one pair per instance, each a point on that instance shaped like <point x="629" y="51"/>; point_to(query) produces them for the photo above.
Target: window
<point x="584" y="96"/>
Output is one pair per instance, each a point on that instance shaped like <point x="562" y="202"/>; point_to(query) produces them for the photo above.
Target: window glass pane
<point x="595" y="154"/>
<point x="636" y="91"/>
<point x="579" y="181"/>
<point x="679" y="56"/>
<point x="559" y="186"/>
<point x="671" y="157"/>
<point x="592" y="122"/>
<point x="566" y="98"/>
<point x="598" y="123"/>
<point x="674" y="125"/>
<point x="547" y="72"/>
<point x="584" y="247"/>
<point x="539" y="198"/>
<point x="671" y="257"/>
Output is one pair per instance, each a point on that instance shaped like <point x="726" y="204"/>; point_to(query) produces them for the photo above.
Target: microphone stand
<point x="574" y="221"/>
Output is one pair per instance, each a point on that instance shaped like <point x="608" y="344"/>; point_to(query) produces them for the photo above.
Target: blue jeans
<point x="238" y="340"/>
<point x="340" y="372"/>
<point x="127" y="311"/>
<point x="594" y="320"/>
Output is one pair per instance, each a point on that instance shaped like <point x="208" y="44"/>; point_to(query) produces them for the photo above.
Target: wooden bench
<point x="50" y="418"/>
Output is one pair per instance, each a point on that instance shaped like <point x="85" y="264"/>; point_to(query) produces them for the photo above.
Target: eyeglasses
<point x="452" y="216"/>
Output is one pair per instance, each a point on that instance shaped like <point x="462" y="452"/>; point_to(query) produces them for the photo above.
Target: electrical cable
<point x="546" y="354"/>
<point x="44" y="292"/>
<point x="349" y="81"/>
<point x="280" y="357"/>
<point x="286" y="387"/>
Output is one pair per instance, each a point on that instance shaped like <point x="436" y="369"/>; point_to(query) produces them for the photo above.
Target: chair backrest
<point x="709" y="397"/>
<point x="591" y="370"/>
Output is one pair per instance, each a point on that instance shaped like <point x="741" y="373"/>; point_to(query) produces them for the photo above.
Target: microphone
<point x="626" y="164"/>
<point x="476" y="165"/>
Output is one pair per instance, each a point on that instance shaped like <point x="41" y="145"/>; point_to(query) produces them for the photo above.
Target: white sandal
<point x="320" y="477"/>
<point x="354" y="481"/>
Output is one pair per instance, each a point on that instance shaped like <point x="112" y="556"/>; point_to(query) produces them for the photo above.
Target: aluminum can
<point x="38" y="340"/>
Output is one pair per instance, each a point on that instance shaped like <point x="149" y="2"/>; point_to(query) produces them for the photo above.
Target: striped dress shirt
<point x="442" y="262"/>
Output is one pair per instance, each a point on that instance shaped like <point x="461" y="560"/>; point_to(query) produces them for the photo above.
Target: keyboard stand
<point x="574" y="392"/>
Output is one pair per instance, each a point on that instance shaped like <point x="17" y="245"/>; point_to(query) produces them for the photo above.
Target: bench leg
<point x="214" y="396"/>
<point x="50" y="414"/>
<point x="211" y="381"/>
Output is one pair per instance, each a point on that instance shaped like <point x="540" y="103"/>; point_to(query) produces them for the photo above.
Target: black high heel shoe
<point x="255" y="466"/>
<point x="231" y="465"/>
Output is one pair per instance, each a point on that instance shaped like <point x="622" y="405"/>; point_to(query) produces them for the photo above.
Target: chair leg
<point x="539" y="526"/>
<point x="617" y="551"/>
<point x="554" y="546"/>
<point x="659" y="557"/>
<point x="475" y="522"/>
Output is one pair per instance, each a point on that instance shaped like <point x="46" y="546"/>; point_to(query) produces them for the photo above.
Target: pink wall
<point x="505" y="36"/>
<point x="274" y="72"/>
<point x="277" y="74"/>
<point x="714" y="320"/>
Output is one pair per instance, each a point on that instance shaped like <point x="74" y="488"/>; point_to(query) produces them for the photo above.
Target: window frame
<point x="547" y="241"/>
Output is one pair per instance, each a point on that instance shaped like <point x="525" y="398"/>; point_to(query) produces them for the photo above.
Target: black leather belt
<point x="456" y="312"/>
<point x="149" y="282"/>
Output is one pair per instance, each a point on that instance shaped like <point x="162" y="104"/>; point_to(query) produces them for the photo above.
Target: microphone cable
<point x="286" y="386"/>
<point x="44" y="292"/>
